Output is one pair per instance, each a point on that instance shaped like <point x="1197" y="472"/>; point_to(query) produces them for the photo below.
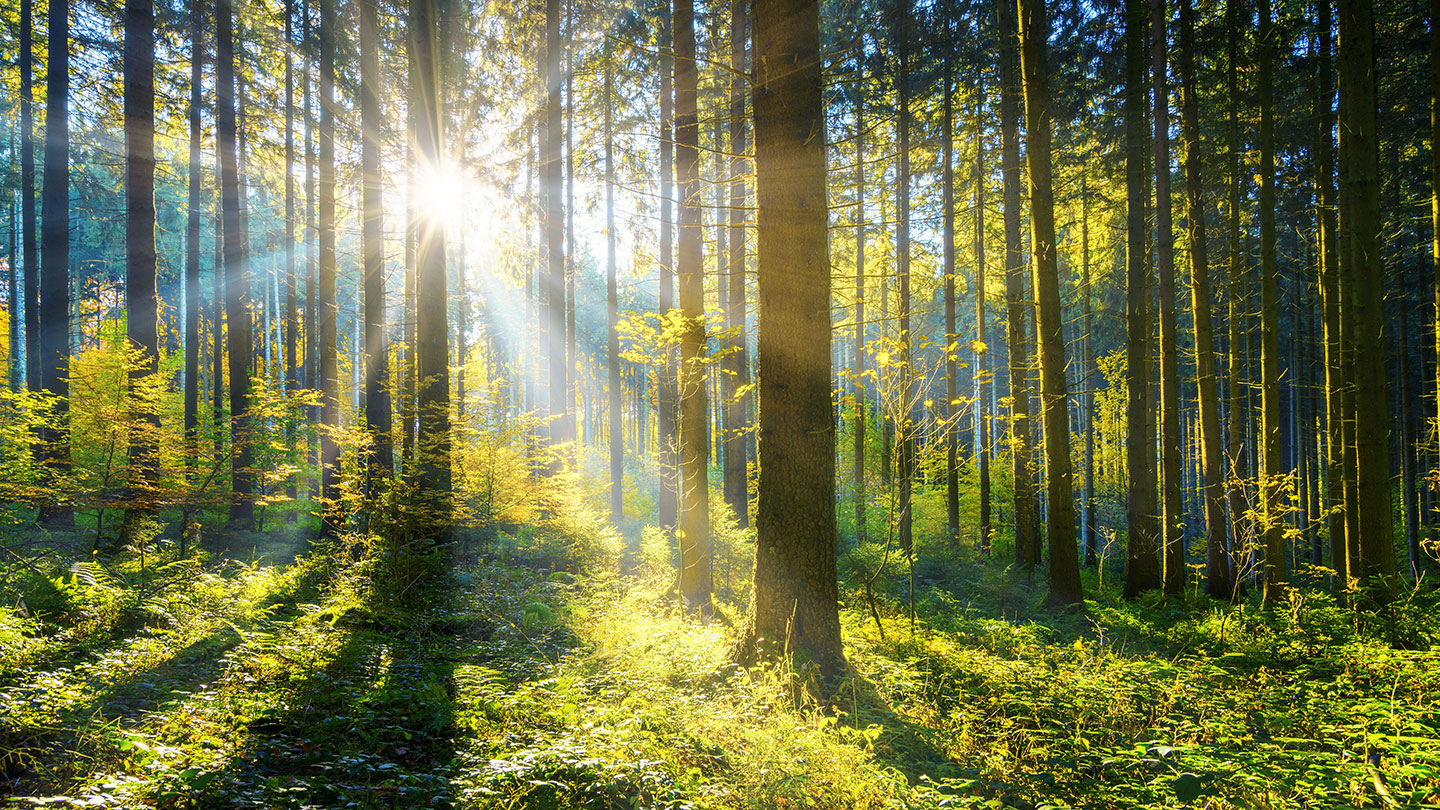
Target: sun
<point x="438" y="192"/>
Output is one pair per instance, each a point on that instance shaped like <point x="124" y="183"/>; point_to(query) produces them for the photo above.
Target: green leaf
<point x="1187" y="787"/>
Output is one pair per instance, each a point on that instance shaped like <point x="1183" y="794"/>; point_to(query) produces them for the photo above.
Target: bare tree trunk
<point x="694" y="533"/>
<point x="237" y="282"/>
<point x="612" y="305"/>
<point x="1142" y="563"/>
<point x="861" y="405"/>
<point x="377" y="367"/>
<point x="141" y="312"/>
<point x="27" y="195"/>
<point x="793" y="605"/>
<point x="1276" y="578"/>
<point x="952" y="339"/>
<point x="1172" y="526"/>
<point x="1065" y="588"/>
<point x="982" y="350"/>
<point x="327" y="326"/>
<point x="666" y="378"/>
<point x="737" y="364"/>
<point x="192" y="247"/>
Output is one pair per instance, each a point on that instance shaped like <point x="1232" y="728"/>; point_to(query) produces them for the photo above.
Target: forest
<point x="720" y="404"/>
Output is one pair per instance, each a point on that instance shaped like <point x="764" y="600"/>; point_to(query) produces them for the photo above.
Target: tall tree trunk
<point x="550" y="159"/>
<point x="612" y="305"/>
<point x="572" y="361"/>
<point x="694" y="534"/>
<point x="1235" y="299"/>
<point x="1065" y="589"/>
<point x="327" y="331"/>
<point x="1434" y="203"/>
<point x="192" y="246"/>
<point x="1360" y="198"/>
<point x="793" y="604"/>
<point x="1172" y="526"/>
<point x="1217" y="569"/>
<point x="1027" y="518"/>
<point x="666" y="378"/>
<point x="737" y="365"/>
<point x="141" y="312"/>
<point x="27" y="195"/>
<point x="292" y="325"/>
<point x="1087" y="500"/>
<point x="952" y="339"/>
<point x="432" y="323"/>
<point x="55" y="242"/>
<point x="905" y="417"/>
<point x="1275" y="570"/>
<point x="982" y="350"/>
<point x="377" y="348"/>
<point x="861" y="406"/>
<point x="1142" y="564"/>
<point x="237" y="283"/>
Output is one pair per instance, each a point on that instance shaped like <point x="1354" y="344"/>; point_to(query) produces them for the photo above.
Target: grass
<point x="508" y="681"/>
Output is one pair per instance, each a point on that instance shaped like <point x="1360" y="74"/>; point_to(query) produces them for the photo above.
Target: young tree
<point x="793" y="604"/>
<point x="694" y="533"/>
<point x="1065" y="588"/>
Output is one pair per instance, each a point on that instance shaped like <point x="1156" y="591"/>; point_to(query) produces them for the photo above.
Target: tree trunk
<point x="327" y="332"/>
<point x="665" y="379"/>
<point x="1360" y="197"/>
<point x="432" y="323"/>
<point x="1087" y="500"/>
<point x="694" y="533"/>
<point x="1276" y="577"/>
<point x="377" y="348"/>
<point x="612" y="305"/>
<point x="793" y="604"/>
<point x="1217" y="569"/>
<point x="1027" y="518"/>
<point x="1142" y="564"/>
<point x="292" y="325"/>
<point x="192" y="247"/>
<point x="141" y="312"/>
<point x="1065" y="589"/>
<point x="982" y="351"/>
<point x="550" y="158"/>
<point x="237" y="284"/>
<point x="737" y="366"/>
<point x="861" y="405"/>
<point x="27" y="196"/>
<point x="952" y="340"/>
<point x="1172" y="526"/>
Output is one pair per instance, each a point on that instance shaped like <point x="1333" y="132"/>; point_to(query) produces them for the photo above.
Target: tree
<point x="665" y="380"/>
<point x="861" y="496"/>
<point x="982" y="351"/>
<point x="1360" y="204"/>
<point x="1217" y="568"/>
<point x="793" y="603"/>
<point x="377" y="367"/>
<point x="694" y="448"/>
<point x="612" y="306"/>
<point x="1142" y="564"/>
<point x="554" y="225"/>
<point x="1172" y="490"/>
<point x="736" y="370"/>
<point x="327" y="332"/>
<point x="192" y="244"/>
<point x="432" y="328"/>
<point x="952" y="339"/>
<point x="1270" y="425"/>
<point x="54" y="321"/>
<point x="1065" y="589"/>
<point x="141" y="314"/>
<point x="27" y="195"/>
<point x="1027" y="525"/>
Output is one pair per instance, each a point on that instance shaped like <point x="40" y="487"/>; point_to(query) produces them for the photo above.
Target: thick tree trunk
<point x="141" y="312"/>
<point x="1065" y="589"/>
<point x="793" y="605"/>
<point x="694" y="447"/>
<point x="1172" y="501"/>
<point x="237" y="283"/>
<point x="1217" y="568"/>
<point x="1142" y="563"/>
<point x="1027" y="518"/>
<point x="432" y="330"/>
<point x="377" y="348"/>
<point x="1360" y="198"/>
<point x="1276" y="578"/>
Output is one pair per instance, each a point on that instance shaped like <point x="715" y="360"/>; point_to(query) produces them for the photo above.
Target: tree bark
<point x="952" y="338"/>
<point x="793" y="605"/>
<point x="377" y="348"/>
<point x="1142" y="564"/>
<point x="141" y="313"/>
<point x="736" y="370"/>
<point x="612" y="305"/>
<point x="1065" y="588"/>
<point x="1276" y="578"/>
<point x="192" y="246"/>
<point x="327" y="331"/>
<point x="27" y="196"/>
<point x="694" y="447"/>
<point x="1217" y="569"/>
<point x="1361" y="197"/>
<point x="237" y="285"/>
<point x="666" y="378"/>
<point x="1172" y="526"/>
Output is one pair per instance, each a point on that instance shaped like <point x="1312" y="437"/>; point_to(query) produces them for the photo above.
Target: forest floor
<point x="506" y="681"/>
